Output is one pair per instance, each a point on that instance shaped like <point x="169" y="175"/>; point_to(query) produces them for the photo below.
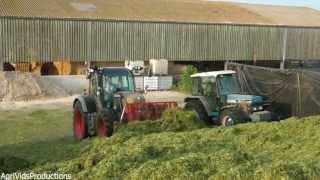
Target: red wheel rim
<point x="79" y="125"/>
<point x="101" y="128"/>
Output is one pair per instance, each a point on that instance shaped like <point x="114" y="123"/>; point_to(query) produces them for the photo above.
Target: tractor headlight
<point x="140" y="98"/>
<point x="258" y="108"/>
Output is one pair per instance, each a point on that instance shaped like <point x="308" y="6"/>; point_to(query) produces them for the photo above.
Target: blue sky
<point x="308" y="3"/>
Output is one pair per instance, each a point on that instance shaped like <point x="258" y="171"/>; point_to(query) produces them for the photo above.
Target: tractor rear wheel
<point x="227" y="118"/>
<point x="197" y="108"/>
<point x="105" y="124"/>
<point x="80" y="127"/>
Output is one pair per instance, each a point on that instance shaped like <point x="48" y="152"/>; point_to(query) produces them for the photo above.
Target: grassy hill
<point x="178" y="147"/>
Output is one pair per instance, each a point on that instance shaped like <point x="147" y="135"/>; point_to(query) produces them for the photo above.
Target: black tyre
<point x="80" y="125"/>
<point x="197" y="107"/>
<point x="105" y="123"/>
<point x="226" y="118"/>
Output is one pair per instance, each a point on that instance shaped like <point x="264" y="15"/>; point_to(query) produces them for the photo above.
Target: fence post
<point x="299" y="110"/>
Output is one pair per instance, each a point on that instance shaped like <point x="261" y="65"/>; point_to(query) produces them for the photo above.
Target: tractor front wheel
<point x="101" y="131"/>
<point x="79" y="122"/>
<point x="227" y="118"/>
<point x="105" y="124"/>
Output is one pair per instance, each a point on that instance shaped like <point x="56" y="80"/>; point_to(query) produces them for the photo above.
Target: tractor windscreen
<point x="228" y="84"/>
<point x="120" y="80"/>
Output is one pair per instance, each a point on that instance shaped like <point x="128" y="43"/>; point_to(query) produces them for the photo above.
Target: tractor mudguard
<point x="203" y="101"/>
<point x="88" y="106"/>
<point x="228" y="107"/>
<point x="88" y="103"/>
<point x="239" y="114"/>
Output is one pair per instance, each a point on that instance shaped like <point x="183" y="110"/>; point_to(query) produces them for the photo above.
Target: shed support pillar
<point x="284" y="49"/>
<point x="226" y="65"/>
<point x="1" y="65"/>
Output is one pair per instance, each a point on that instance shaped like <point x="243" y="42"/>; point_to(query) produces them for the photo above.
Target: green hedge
<point x="185" y="83"/>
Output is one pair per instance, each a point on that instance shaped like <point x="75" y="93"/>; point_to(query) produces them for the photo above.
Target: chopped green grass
<point x="288" y="149"/>
<point x="178" y="120"/>
<point x="35" y="125"/>
<point x="34" y="138"/>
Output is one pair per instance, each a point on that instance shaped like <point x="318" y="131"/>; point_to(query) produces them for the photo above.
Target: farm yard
<point x="40" y="140"/>
<point x="157" y="89"/>
<point x="37" y="136"/>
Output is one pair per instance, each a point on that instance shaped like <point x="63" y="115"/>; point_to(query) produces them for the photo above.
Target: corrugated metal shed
<point x="38" y="39"/>
<point x="117" y="30"/>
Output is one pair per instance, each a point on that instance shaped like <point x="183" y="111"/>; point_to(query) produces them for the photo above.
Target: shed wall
<point x="31" y="39"/>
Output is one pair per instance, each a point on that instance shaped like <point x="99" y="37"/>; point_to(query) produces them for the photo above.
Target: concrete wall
<point x="73" y="84"/>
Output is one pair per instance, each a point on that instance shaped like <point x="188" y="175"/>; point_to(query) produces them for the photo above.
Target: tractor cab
<point x="215" y="86"/>
<point x="110" y="80"/>
<point x="118" y="79"/>
<point x="113" y="87"/>
<point x="217" y="95"/>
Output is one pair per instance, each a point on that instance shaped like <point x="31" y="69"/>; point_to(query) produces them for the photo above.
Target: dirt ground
<point x="66" y="102"/>
<point x="58" y="103"/>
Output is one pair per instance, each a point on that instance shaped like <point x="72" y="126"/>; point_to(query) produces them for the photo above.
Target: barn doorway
<point x="8" y="67"/>
<point x="49" y="69"/>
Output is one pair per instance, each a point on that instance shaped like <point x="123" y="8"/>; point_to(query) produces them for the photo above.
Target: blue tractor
<point x="217" y="99"/>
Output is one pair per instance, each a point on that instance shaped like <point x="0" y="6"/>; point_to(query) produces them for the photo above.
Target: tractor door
<point x="197" y="87"/>
<point x="93" y="86"/>
<point x="209" y="90"/>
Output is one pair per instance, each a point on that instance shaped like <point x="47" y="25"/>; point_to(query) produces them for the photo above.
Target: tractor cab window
<point x="93" y="85"/>
<point x="196" y="89"/>
<point x="108" y="85"/>
<point x="208" y="86"/>
<point x="204" y="86"/>
<point x="228" y="84"/>
<point x="120" y="81"/>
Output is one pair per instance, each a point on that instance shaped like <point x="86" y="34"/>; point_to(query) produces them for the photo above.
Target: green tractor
<point x="217" y="99"/>
<point x="111" y="99"/>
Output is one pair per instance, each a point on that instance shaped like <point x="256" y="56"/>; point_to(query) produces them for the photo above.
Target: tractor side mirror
<point x="146" y="89"/>
<point x="98" y="91"/>
<point x="89" y="73"/>
<point x="85" y="92"/>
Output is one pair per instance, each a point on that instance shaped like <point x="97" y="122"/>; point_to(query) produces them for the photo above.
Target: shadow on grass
<point x="25" y="156"/>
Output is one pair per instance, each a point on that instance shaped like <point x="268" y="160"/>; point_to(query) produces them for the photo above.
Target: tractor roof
<point x="115" y="68"/>
<point x="112" y="71"/>
<point x="213" y="73"/>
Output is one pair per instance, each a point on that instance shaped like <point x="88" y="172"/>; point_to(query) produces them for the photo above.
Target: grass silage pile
<point x="20" y="86"/>
<point x="179" y="147"/>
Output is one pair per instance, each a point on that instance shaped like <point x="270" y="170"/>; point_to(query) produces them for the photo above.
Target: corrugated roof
<point x="195" y="11"/>
<point x="286" y="15"/>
